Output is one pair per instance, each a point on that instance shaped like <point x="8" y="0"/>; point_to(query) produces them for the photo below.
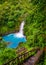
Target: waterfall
<point x="15" y="38"/>
<point x="20" y="33"/>
<point x="21" y="28"/>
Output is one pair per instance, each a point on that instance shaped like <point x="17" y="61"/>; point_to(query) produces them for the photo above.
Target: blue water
<point x="14" y="41"/>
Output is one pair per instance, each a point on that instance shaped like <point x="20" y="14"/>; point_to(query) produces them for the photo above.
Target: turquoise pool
<point x="14" y="41"/>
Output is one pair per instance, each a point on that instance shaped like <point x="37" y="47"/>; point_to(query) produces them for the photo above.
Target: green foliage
<point x="4" y="29"/>
<point x="7" y="55"/>
<point x="12" y="12"/>
<point x="10" y="24"/>
<point x="3" y="44"/>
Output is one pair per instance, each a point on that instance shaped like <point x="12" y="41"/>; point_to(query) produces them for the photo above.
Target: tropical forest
<point x="22" y="32"/>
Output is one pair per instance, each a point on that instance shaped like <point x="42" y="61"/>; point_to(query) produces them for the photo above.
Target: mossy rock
<point x="0" y="38"/>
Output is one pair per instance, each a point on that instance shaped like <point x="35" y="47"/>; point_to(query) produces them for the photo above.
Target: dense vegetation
<point x="12" y="13"/>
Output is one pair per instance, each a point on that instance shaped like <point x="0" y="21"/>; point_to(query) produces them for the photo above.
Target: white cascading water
<point x="20" y="33"/>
